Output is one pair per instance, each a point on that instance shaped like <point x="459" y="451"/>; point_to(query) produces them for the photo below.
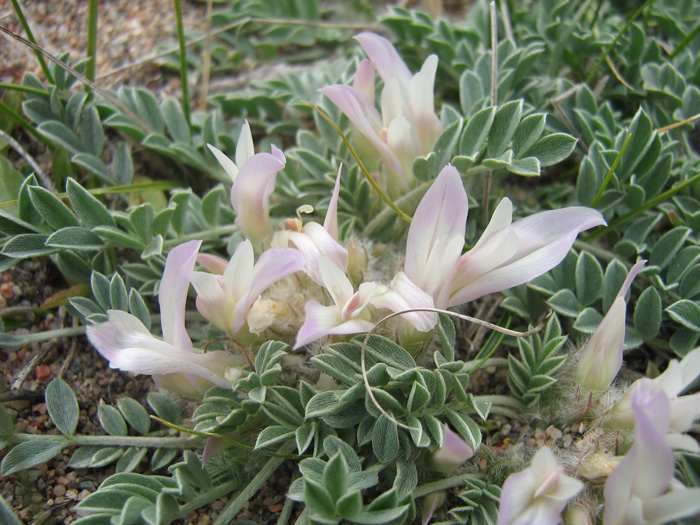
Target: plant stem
<point x="4" y="108"/>
<point x="494" y="101"/>
<point x="504" y="401"/>
<point x="91" y="47"/>
<point x="684" y="43"/>
<point x="594" y="249"/>
<point x="364" y="171"/>
<point x="286" y="512"/>
<point x="209" y="234"/>
<point x="443" y="484"/>
<point x="642" y="208"/>
<point x="213" y="494"/>
<point x="235" y="506"/>
<point x="39" y="337"/>
<point x="116" y="441"/>
<point x="610" y="172"/>
<point x="25" y="89"/>
<point x="30" y="37"/>
<point x="612" y="44"/>
<point x="183" y="62"/>
<point x="498" y="362"/>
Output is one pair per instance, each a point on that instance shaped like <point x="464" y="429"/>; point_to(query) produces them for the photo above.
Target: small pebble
<point x="42" y="371"/>
<point x="59" y="490"/>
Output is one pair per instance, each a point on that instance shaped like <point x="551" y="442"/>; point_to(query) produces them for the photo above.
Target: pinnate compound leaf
<point x="62" y="406"/>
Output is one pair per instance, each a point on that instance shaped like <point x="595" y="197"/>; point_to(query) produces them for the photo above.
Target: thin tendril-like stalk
<point x="494" y="100"/>
<point x="111" y="190"/>
<point x="684" y="43"/>
<point x="235" y="506"/>
<point x="183" y="61"/>
<point x="642" y="208"/>
<point x="444" y="484"/>
<point x="612" y="44"/>
<point x="366" y="173"/>
<point x="30" y="36"/>
<point x="610" y="172"/>
<point x="91" y="42"/>
<point x="4" y="108"/>
<point x="363" y="353"/>
<point x="80" y="77"/>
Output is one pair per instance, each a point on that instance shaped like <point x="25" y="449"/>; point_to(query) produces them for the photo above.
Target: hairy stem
<point x="235" y="506"/>
<point x="444" y="484"/>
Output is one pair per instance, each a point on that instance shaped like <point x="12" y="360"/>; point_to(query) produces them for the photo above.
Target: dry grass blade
<point x="80" y="77"/>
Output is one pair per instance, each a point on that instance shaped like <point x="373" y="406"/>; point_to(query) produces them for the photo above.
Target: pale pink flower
<point x="173" y="362"/>
<point x="347" y="315"/>
<point x="600" y="359"/>
<point x="507" y="254"/>
<point x="224" y="300"/>
<point x="637" y="491"/>
<point x="407" y="126"/>
<point x="538" y="494"/>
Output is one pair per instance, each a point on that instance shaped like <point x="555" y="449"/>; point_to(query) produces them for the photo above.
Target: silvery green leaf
<point x="137" y="307"/>
<point x="648" y="313"/>
<point x="527" y="167"/>
<point x="335" y="476"/>
<point x="588" y="320"/>
<point x="528" y="131"/>
<point x="27" y="245"/>
<point x="589" y="279"/>
<point x="89" y="209"/>
<point x="466" y="427"/>
<point x="667" y="246"/>
<point x="75" y="238"/>
<point x="32" y="453"/>
<point x="62" y="135"/>
<point x="131" y="458"/>
<point x="52" y="210"/>
<point x="475" y="132"/>
<point x="135" y="414"/>
<point x="91" y="130"/>
<point x="552" y="149"/>
<point x="318" y="499"/>
<point x="686" y="313"/>
<point x="504" y="125"/>
<point x="122" y="165"/>
<point x="111" y="420"/>
<point x="62" y="406"/>
<point x="175" y="121"/>
<point x="388" y="352"/>
<point x="385" y="440"/>
<point x="564" y="302"/>
<point x="615" y="275"/>
<point x="118" y="295"/>
<point x="117" y="237"/>
<point x="446" y="331"/>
